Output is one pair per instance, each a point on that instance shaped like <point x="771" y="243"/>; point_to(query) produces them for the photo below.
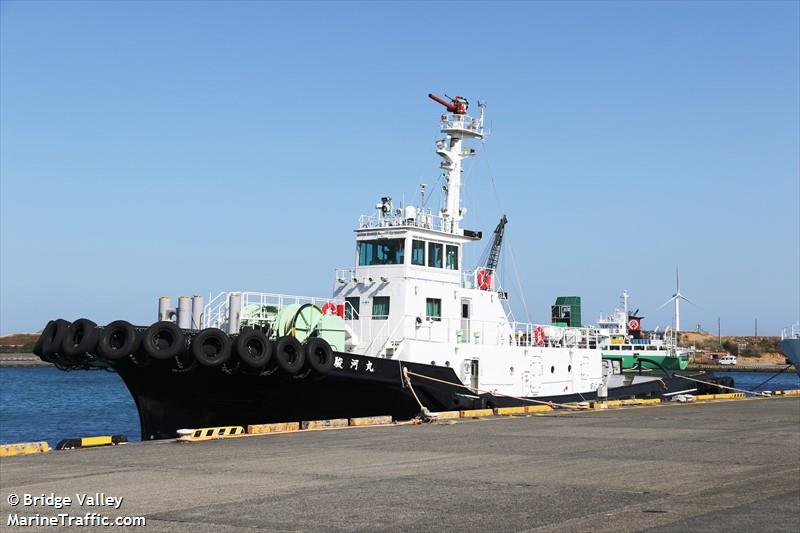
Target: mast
<point x="457" y="126"/>
<point x="625" y="309"/>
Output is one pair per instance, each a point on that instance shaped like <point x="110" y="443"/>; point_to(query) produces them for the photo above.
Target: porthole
<point x="512" y="370"/>
<point x="552" y="369"/>
<point x="569" y="368"/>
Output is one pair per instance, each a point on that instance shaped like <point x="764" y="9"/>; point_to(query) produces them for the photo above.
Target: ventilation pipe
<point x="234" y="309"/>
<point x="184" y="312"/>
<point x="165" y="310"/>
<point x="197" y="312"/>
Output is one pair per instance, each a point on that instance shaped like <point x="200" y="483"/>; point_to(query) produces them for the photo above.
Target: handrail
<point x="216" y="312"/>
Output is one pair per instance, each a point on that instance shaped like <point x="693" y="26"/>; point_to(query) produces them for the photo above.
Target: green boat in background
<point x="624" y="343"/>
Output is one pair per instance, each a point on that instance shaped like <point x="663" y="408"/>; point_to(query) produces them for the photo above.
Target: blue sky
<point x="152" y="149"/>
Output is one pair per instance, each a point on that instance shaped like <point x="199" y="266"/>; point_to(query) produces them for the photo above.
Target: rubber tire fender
<point x="211" y="347"/>
<point x="253" y="348"/>
<point x="80" y="338"/>
<point x="52" y="336"/>
<point x="289" y="355"/>
<point x="37" y="348"/>
<point x="118" y="339"/>
<point x="163" y="340"/>
<point x="319" y="355"/>
<point x="727" y="381"/>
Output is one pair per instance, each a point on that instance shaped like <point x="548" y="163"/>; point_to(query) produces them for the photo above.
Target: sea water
<point x="44" y="403"/>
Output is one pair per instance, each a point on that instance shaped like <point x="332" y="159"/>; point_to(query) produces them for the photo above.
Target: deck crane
<point x="485" y="274"/>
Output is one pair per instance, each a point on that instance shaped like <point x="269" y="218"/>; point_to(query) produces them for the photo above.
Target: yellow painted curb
<point x="103" y="440"/>
<point x="319" y="424"/>
<point x="23" y="448"/>
<point x="633" y="401"/>
<point x="278" y="427"/>
<point x="211" y="433"/>
<point x="445" y="415"/>
<point x="476" y="412"/>
<point x="538" y="408"/>
<point x="726" y="396"/>
<point x="370" y="420"/>
<point x="510" y="411"/>
<point x="91" y="442"/>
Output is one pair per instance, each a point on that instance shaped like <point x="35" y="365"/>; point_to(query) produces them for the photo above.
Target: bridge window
<point x="351" y="308"/>
<point x="381" y="252"/>
<point x="452" y="257"/>
<point x="435" y="254"/>
<point x="433" y="309"/>
<point x="380" y="307"/>
<point x="418" y="253"/>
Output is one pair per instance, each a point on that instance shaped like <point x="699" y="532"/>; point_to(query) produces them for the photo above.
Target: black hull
<point x="169" y="398"/>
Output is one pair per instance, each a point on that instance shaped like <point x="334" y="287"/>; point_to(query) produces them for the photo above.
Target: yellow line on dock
<point x="23" y="448"/>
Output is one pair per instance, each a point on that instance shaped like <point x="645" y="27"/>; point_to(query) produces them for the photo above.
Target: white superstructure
<point x="409" y="298"/>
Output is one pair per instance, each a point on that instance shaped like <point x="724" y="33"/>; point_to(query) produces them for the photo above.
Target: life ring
<point x="538" y="336"/>
<point x="484" y="279"/>
<point x="329" y="308"/>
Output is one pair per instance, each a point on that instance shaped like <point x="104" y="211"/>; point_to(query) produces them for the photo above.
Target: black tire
<point x="319" y="355"/>
<point x="52" y="336"/>
<point x="80" y="338"/>
<point x="211" y="347"/>
<point x="37" y="348"/>
<point x="289" y="355"/>
<point x="253" y="348"/>
<point x="163" y="340"/>
<point x="119" y="339"/>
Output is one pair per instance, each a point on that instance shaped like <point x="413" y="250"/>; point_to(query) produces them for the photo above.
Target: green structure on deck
<point x="566" y="312"/>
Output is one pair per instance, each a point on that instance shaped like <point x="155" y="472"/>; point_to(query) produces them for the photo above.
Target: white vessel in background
<point x="626" y="343"/>
<point x="790" y="344"/>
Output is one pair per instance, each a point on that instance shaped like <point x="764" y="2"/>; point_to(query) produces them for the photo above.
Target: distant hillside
<point x="765" y="348"/>
<point x="18" y="342"/>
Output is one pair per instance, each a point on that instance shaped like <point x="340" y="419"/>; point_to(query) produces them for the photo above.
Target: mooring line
<point x="472" y="389"/>
<point x="422" y="408"/>
<point x="721" y="386"/>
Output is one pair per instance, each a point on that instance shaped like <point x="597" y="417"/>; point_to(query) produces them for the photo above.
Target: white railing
<point x="462" y="122"/>
<point x="480" y="278"/>
<point x="423" y="218"/>
<point x="260" y="307"/>
<point x="480" y="332"/>
<point x="792" y="332"/>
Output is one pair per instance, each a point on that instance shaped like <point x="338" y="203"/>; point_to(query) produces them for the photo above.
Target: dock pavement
<point x="711" y="466"/>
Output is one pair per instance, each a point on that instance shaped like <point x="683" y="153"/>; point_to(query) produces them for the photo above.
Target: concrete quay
<point x="710" y="466"/>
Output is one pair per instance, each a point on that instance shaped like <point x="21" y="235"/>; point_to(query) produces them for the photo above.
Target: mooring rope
<point x="771" y="377"/>
<point x="422" y="408"/>
<point x="471" y="389"/>
<point x="721" y="386"/>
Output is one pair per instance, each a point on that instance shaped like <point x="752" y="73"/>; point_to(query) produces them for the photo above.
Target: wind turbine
<point x="677" y="297"/>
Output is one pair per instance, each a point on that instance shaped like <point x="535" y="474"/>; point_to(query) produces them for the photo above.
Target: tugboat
<point x="630" y="346"/>
<point x="406" y="330"/>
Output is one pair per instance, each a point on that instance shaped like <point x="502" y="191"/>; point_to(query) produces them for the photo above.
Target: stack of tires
<point x="81" y="342"/>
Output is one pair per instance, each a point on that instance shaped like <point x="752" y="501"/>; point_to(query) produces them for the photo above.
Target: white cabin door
<point x="466" y="311"/>
<point x="533" y="376"/>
